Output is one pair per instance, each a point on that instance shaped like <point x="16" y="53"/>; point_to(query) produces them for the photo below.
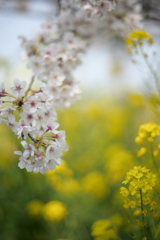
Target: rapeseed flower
<point x="34" y="208"/>
<point x="149" y="130"/>
<point x="94" y="183"/>
<point x="141" y="152"/>
<point x="103" y="230"/>
<point x="54" y="211"/>
<point x="106" y="229"/>
<point x="135" y="38"/>
<point x="153" y="205"/>
<point x="139" y="181"/>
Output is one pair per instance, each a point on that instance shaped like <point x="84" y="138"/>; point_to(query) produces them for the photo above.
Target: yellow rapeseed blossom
<point x="139" y="180"/>
<point x="137" y="37"/>
<point x="150" y="139"/>
<point x="54" y="211"/>
<point x="146" y="200"/>
<point x="62" y="181"/>
<point x="139" y="140"/>
<point x="133" y="204"/>
<point x="34" y="208"/>
<point x="124" y="191"/>
<point x="155" y="153"/>
<point x="135" y="100"/>
<point x="141" y="152"/>
<point x="103" y="230"/>
<point x="144" y="212"/>
<point x="149" y="130"/>
<point x="94" y="183"/>
<point x="126" y="203"/>
<point x="137" y="212"/>
<point x="61" y="169"/>
<point x="100" y="227"/>
<point x="118" y="161"/>
<point x="153" y="205"/>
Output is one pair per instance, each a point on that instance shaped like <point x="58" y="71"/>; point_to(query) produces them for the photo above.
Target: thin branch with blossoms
<point x="52" y="56"/>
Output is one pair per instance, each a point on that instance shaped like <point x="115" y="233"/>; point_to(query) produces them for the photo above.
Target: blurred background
<point x="101" y="128"/>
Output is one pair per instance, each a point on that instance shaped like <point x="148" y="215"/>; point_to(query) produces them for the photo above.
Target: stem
<point x="35" y="141"/>
<point x="156" y="78"/>
<point x="59" y="7"/>
<point x="144" y="232"/>
<point x="153" y="160"/>
<point x="153" y="74"/>
<point x="30" y="85"/>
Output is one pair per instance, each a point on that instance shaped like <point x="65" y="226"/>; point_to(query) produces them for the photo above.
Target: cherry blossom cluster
<point x="57" y="50"/>
<point x="32" y="118"/>
<point x="52" y="56"/>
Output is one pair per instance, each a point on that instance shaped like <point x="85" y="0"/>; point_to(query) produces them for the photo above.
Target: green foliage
<point x="100" y="135"/>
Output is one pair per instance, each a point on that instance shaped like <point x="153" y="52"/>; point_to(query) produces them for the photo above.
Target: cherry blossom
<point x="53" y="56"/>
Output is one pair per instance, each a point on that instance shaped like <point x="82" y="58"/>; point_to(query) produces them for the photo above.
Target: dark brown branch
<point x="33" y="140"/>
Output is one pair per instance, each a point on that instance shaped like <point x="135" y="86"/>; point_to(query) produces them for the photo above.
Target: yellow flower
<point x="139" y="140"/>
<point x="126" y="203"/>
<point x="141" y="152"/>
<point x="94" y="183"/>
<point x="146" y="200"/>
<point x="138" y="36"/>
<point x="137" y="212"/>
<point x="153" y="205"/>
<point x="149" y="129"/>
<point x="104" y="230"/>
<point x="54" y="211"/>
<point x="150" y="139"/>
<point x="155" y="153"/>
<point x="99" y="227"/>
<point x="120" y="160"/>
<point x="34" y="208"/>
<point x="136" y="172"/>
<point x="144" y="212"/>
<point x="124" y="191"/>
<point x="139" y="179"/>
<point x="133" y="204"/>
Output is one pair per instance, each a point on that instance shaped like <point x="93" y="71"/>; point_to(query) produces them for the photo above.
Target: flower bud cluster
<point x="137" y="38"/>
<point x="147" y="132"/>
<point x="140" y="182"/>
<point x="32" y="117"/>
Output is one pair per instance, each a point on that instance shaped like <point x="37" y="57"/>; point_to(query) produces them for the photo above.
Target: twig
<point x="35" y="141"/>
<point x="30" y="85"/>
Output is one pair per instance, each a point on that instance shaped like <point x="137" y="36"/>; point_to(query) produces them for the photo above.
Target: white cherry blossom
<point x="18" y="87"/>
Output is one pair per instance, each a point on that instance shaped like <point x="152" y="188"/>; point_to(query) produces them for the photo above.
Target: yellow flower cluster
<point x="106" y="229"/>
<point x="150" y="131"/>
<point x="137" y="37"/>
<point x="139" y="180"/>
<point x="118" y="161"/>
<point x="34" y="208"/>
<point x="54" y="211"/>
<point x="62" y="179"/>
<point x="95" y="184"/>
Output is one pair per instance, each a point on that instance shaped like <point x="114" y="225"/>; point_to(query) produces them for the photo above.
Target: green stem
<point x="153" y="160"/>
<point x="142" y="206"/>
<point x="144" y="232"/>
<point x="58" y="7"/>
<point x="155" y="76"/>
